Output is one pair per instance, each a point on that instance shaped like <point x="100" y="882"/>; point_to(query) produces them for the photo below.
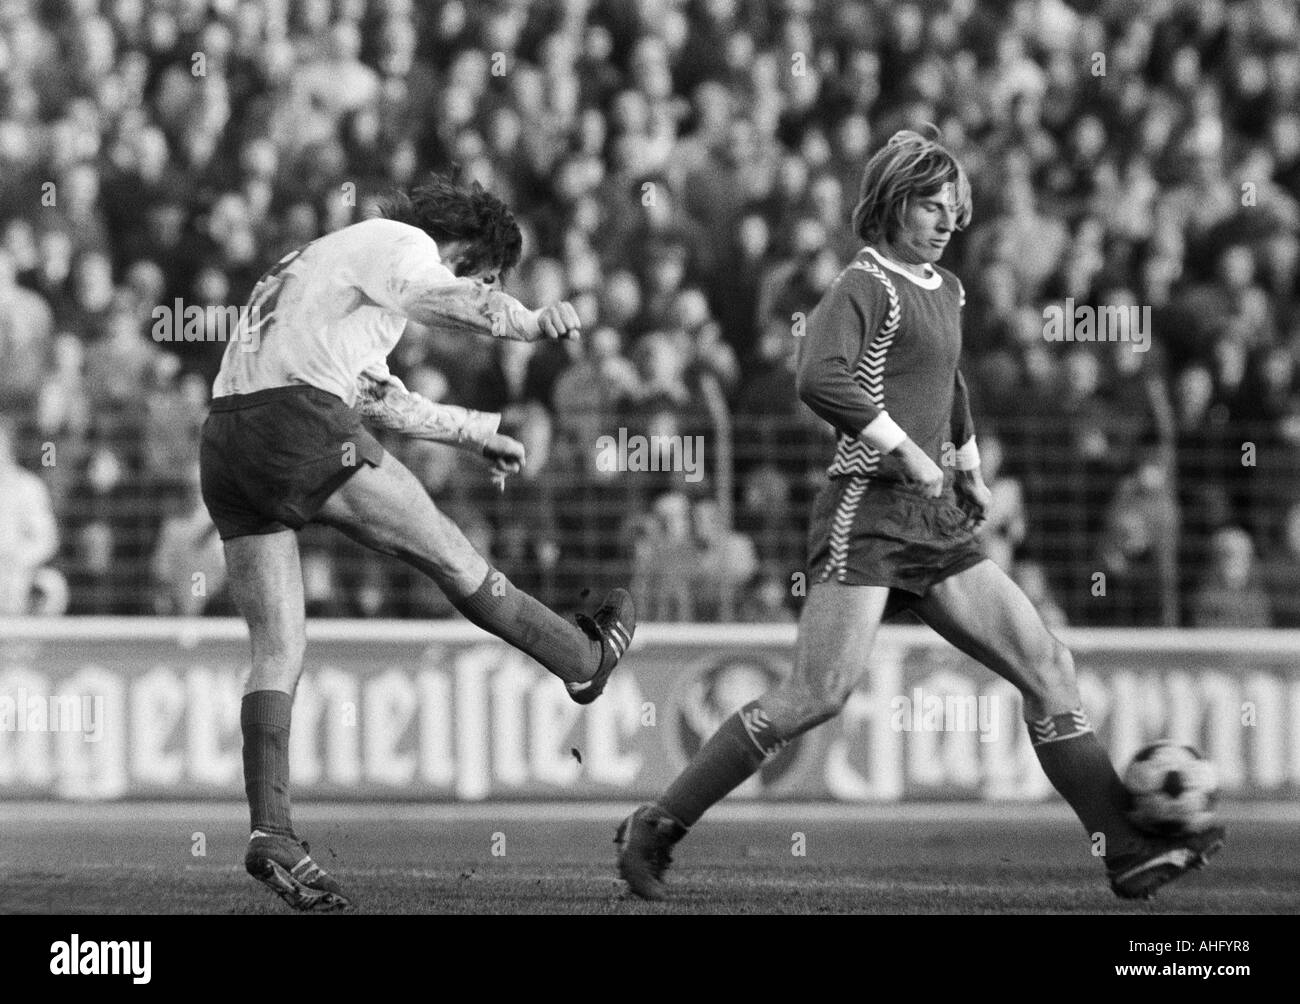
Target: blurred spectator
<point x="764" y="599"/>
<point x="1003" y="531"/>
<point x="1138" y="548"/>
<point x="688" y="190"/>
<point x="663" y="398"/>
<point x="92" y="295"/>
<point x="29" y="535"/>
<point x="188" y="563"/>
<point x="118" y="364"/>
<point x="1231" y="595"/>
<point x="322" y="594"/>
<point x="734" y="286"/>
<point x="589" y="396"/>
<point x="1267" y="409"/>
<point x="1203" y="454"/>
<point x="1031" y="242"/>
<point x="702" y="341"/>
<point x="107" y="524"/>
<point x="767" y="515"/>
<point x="52" y="279"/>
<point x="1281" y="572"/>
<point x="665" y="271"/>
<point x="664" y="561"/>
<point x="63" y="410"/>
<point x="726" y="561"/>
<point x="26" y="338"/>
<point x="1069" y="500"/>
<point x="174" y="410"/>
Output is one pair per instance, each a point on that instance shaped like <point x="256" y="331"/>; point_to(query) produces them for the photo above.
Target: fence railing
<point x="707" y="523"/>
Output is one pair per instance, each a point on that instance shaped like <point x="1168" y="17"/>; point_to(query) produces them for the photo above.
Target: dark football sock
<point x="1075" y="762"/>
<point x="735" y="751"/>
<point x="264" y="720"/>
<point x="532" y="627"/>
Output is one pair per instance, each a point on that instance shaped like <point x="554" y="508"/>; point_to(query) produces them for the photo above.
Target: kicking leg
<point x="836" y="632"/>
<point x="983" y="613"/>
<point x="387" y="509"/>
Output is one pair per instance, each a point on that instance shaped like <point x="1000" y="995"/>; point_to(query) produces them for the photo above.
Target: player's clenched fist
<point x="506" y="454"/>
<point x="559" y="320"/>
<point x="920" y="468"/>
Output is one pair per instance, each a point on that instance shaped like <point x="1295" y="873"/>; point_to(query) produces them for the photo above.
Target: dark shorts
<point x="269" y="460"/>
<point x="866" y="533"/>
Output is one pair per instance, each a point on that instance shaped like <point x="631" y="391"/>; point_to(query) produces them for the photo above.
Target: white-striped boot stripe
<point x="618" y="639"/>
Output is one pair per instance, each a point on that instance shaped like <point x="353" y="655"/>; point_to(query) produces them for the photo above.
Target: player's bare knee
<point x="279" y="652"/>
<point x="810" y="705"/>
<point x="460" y="571"/>
<point x="424" y="552"/>
<point x="822" y="710"/>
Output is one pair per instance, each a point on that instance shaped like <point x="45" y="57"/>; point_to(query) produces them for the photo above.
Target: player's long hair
<point x="449" y="211"/>
<point x="908" y="166"/>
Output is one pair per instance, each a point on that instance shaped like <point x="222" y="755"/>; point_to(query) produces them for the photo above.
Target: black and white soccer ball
<point x="1172" y="789"/>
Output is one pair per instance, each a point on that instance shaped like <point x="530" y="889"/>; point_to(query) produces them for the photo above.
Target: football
<point x="1172" y="789"/>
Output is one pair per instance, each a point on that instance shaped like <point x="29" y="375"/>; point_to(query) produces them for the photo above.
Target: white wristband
<point x="883" y="433"/>
<point x="968" y="455"/>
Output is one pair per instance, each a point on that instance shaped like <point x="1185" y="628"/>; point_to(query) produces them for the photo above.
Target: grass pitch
<point x="743" y="858"/>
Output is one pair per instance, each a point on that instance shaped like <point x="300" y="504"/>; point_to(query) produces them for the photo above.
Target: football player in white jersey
<point x="284" y="445"/>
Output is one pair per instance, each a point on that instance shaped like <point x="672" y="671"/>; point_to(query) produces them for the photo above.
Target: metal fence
<point x="1202" y="528"/>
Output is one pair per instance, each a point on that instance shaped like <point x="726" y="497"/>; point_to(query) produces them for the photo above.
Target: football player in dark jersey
<point x="894" y="529"/>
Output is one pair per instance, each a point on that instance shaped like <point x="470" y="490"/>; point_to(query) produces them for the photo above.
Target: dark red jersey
<point x="884" y="339"/>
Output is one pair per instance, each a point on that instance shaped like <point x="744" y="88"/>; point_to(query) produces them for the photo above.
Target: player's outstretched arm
<point x="384" y="400"/>
<point x="400" y="269"/>
<point x="475" y="307"/>
<point x="464" y="305"/>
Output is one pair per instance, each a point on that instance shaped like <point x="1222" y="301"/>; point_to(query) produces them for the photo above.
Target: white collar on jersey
<point x="932" y="281"/>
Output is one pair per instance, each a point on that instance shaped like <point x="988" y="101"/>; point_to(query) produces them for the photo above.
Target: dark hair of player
<point x="908" y="166"/>
<point x="449" y="211"/>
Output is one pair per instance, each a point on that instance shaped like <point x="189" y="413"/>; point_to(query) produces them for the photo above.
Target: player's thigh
<point x="265" y="580"/>
<point x="837" y="629"/>
<point x="387" y="509"/>
<point x="982" y="612"/>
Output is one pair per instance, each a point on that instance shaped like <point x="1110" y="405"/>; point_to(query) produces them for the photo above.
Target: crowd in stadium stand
<point x="683" y="171"/>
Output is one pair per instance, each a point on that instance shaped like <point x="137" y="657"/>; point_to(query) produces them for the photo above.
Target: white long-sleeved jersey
<point x="328" y="314"/>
